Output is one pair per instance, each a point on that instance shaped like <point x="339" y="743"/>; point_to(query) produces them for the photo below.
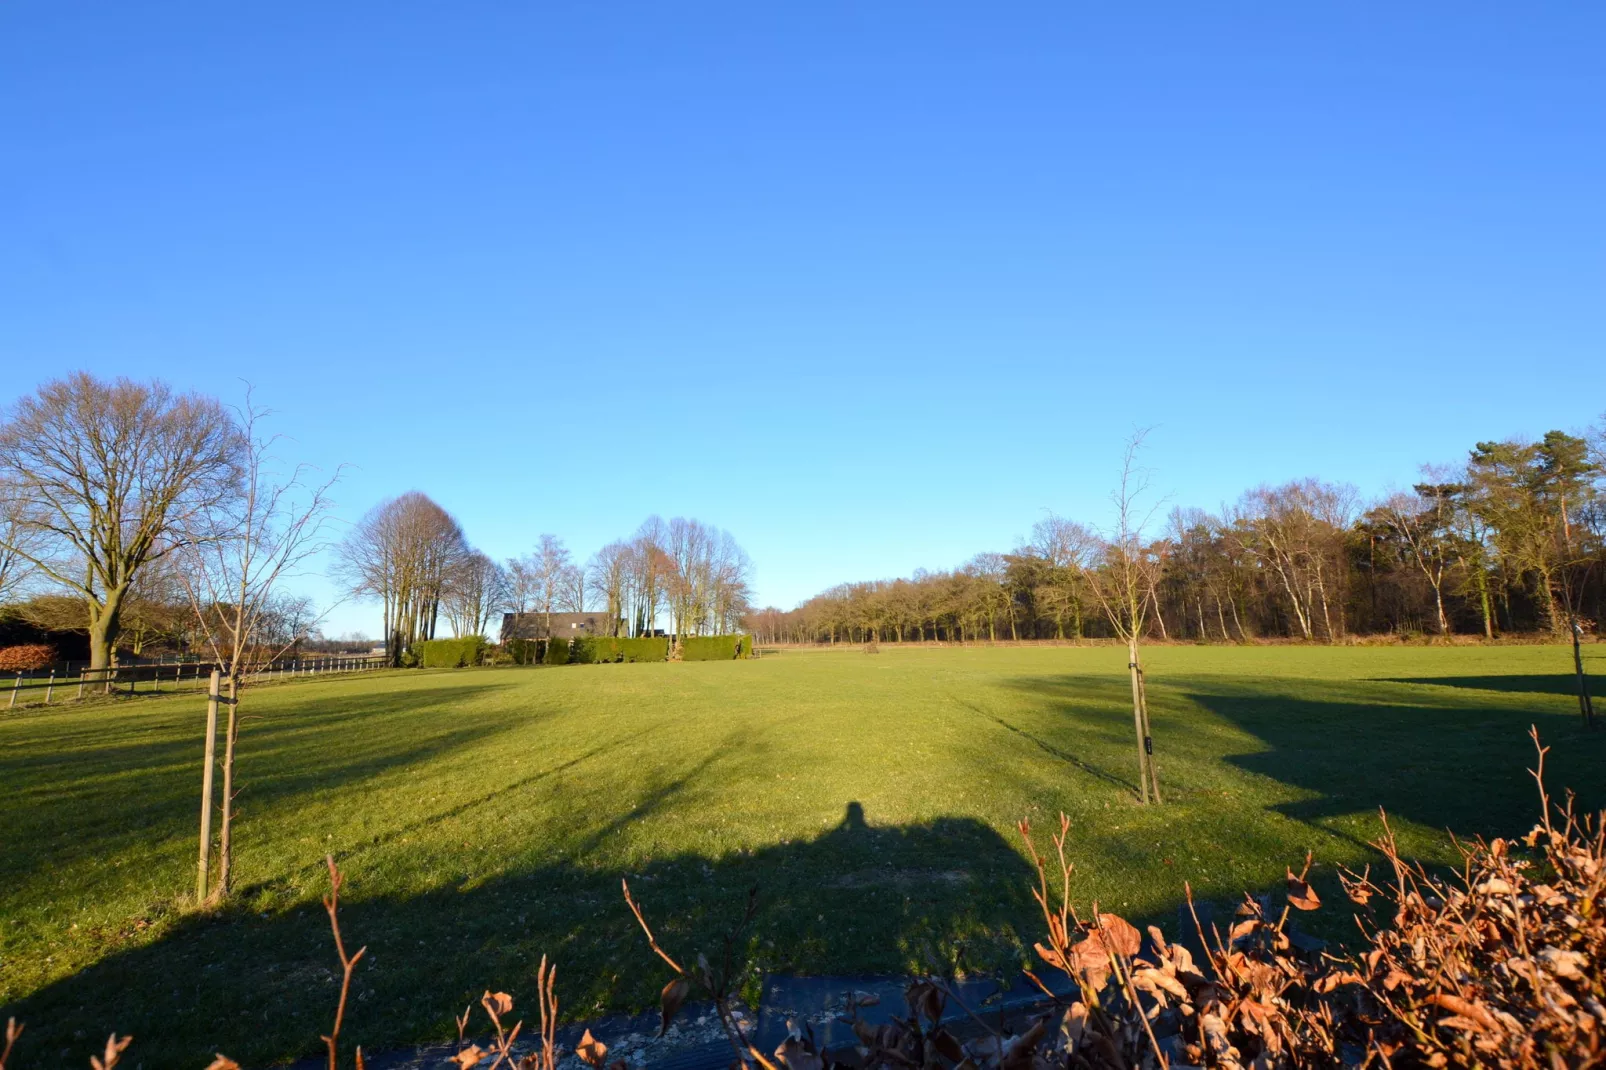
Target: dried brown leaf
<point x="1119" y="935"/>
<point x="469" y="1056"/>
<point x="592" y="1051"/>
<point x="1301" y="896"/>
<point x="672" y="999"/>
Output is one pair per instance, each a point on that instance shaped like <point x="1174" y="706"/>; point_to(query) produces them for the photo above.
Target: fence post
<point x="14" y="689"/>
<point x="203" y="867"/>
<point x="50" y="688"/>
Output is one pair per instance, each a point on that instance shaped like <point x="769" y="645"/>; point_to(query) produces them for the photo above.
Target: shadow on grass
<point x="1060" y="753"/>
<point x="261" y="987"/>
<point x="1438" y="757"/>
<point x="1517" y="683"/>
<point x="153" y="786"/>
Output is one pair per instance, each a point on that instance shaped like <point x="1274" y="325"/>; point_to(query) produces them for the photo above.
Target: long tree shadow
<point x="261" y="986"/>
<point x="153" y="785"/>
<point x="1514" y="683"/>
<point x="1438" y="759"/>
<point x="1441" y="756"/>
<point x="1064" y="755"/>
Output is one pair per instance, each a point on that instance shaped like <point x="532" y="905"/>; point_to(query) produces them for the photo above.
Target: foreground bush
<point x="1497" y="965"/>
<point x="450" y="653"/>
<point x="557" y="652"/>
<point x="27" y="657"/>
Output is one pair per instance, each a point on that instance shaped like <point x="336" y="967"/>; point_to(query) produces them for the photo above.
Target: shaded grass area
<point x="485" y="817"/>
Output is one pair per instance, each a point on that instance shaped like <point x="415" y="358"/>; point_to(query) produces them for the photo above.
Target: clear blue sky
<point x="869" y="285"/>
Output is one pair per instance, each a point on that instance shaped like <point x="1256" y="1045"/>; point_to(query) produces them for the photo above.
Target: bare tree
<point x="22" y="540"/>
<point x="1121" y="584"/>
<point x="476" y="590"/>
<point x="230" y="568"/>
<point x="1422" y="521"/>
<point x="1066" y="548"/>
<point x="523" y="583"/>
<point x="1298" y="533"/>
<point x="110" y="472"/>
<point x="551" y="561"/>
<point x="399" y="553"/>
<point x="728" y="594"/>
<point x="608" y="574"/>
<point x="650" y="567"/>
<point x="572" y="589"/>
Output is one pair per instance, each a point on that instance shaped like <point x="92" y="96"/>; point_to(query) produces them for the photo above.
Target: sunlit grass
<point x="484" y="817"/>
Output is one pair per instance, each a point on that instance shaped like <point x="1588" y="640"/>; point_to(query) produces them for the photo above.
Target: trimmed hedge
<point x="594" y="649"/>
<point x="749" y="646"/>
<point x="557" y="652"/>
<point x="647" y="648"/>
<point x="522" y="651"/>
<point x="708" y="647"/>
<point x="450" y="653"/>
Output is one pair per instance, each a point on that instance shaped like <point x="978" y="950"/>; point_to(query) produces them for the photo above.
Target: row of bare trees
<point x="1512" y="540"/>
<point x="410" y="555"/>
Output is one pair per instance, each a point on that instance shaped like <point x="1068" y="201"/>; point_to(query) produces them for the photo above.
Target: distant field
<point x="484" y="817"/>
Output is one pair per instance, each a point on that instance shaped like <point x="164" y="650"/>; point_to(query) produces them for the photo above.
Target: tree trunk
<point x="1148" y="739"/>
<point x="203" y="870"/>
<point x="1483" y="603"/>
<point x="1238" y="621"/>
<point x="1137" y="719"/>
<point x="105" y="622"/>
<point x="1553" y="615"/>
<point x="1585" y="708"/>
<point x="225" y="847"/>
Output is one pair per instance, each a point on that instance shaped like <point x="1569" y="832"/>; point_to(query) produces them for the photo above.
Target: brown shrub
<point x="26" y="657"/>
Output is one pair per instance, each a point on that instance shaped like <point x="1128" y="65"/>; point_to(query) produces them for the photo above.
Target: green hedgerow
<point x="708" y="648"/>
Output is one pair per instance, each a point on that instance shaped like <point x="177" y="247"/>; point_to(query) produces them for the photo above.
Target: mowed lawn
<point x="485" y="817"/>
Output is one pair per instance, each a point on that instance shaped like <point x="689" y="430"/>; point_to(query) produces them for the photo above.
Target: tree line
<point x="1511" y="540"/>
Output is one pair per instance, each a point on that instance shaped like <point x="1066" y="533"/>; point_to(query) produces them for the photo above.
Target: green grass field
<point x="484" y="817"/>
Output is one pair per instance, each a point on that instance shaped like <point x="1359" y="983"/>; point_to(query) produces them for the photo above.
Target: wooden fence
<point x="68" y="683"/>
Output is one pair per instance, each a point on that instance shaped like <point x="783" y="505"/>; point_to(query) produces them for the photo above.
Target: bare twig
<point x="652" y="941"/>
<point x="331" y="904"/>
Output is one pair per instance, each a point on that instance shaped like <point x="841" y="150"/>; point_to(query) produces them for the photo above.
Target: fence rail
<point x="171" y="677"/>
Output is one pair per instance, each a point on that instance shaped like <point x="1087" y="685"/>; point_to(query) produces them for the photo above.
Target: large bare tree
<point x="399" y="554"/>
<point x="112" y="474"/>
